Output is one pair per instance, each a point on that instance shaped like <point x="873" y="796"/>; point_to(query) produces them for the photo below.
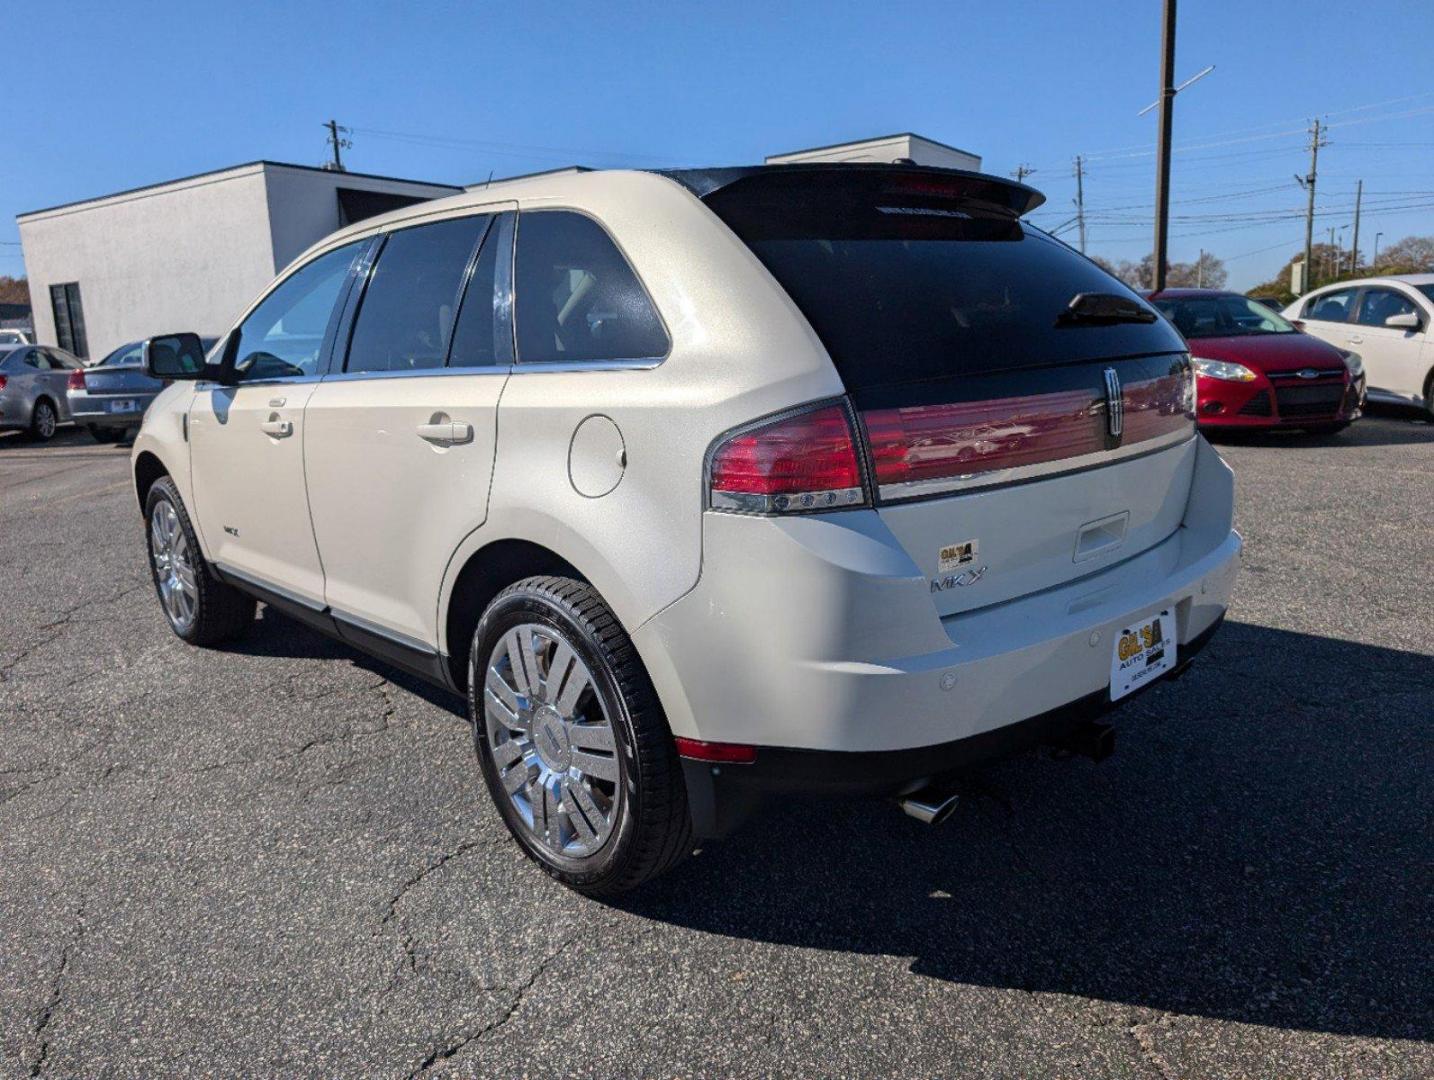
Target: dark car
<point x="110" y="397"/>
<point x="1255" y="370"/>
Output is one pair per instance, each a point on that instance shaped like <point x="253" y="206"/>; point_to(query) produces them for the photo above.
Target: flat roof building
<point x="187" y="254"/>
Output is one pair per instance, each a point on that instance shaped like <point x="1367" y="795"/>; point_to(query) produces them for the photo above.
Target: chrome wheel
<point x="551" y="740"/>
<point x="173" y="566"/>
<point x="45" y="420"/>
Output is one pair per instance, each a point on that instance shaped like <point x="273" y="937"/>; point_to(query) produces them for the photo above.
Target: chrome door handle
<point x="449" y="433"/>
<point x="280" y="429"/>
<point x="1357" y="339"/>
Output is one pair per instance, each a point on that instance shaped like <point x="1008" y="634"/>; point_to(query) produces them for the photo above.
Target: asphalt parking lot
<point x="278" y="859"/>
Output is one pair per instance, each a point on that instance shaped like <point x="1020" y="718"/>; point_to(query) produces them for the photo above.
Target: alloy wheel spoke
<point x="498" y="686"/>
<point x="558" y="668"/>
<point x="577" y="681"/>
<point x="592" y="737"/>
<point x="604" y="768"/>
<point x="519" y="663"/>
<point x="499" y="712"/>
<point x="582" y="812"/>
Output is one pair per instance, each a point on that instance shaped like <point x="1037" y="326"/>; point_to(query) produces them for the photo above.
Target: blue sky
<point x="107" y="96"/>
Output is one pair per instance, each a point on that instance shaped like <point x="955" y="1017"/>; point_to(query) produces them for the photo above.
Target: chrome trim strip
<point x="1114" y="405"/>
<point x="645" y="364"/>
<point x="260" y="583"/>
<point x="972" y="481"/>
<point x="351" y="376"/>
<point x="799" y="502"/>
<point x="277" y="380"/>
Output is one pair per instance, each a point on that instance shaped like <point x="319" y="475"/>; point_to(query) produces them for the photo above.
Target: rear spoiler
<point x="994" y="191"/>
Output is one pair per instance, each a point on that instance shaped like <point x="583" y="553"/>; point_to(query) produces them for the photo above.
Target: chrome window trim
<point x="277" y="380"/>
<point x="430" y="373"/>
<point x="537" y="367"/>
<point x="915" y="489"/>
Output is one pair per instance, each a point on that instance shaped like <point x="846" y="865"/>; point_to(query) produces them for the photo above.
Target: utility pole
<point x="1200" y="270"/>
<point x="1022" y="171"/>
<point x="1308" y="183"/>
<point x="1375" y="260"/>
<point x="1080" y="198"/>
<point x="335" y="141"/>
<point x="1354" y="243"/>
<point x="1162" y="175"/>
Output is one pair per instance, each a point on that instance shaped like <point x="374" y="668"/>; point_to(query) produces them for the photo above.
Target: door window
<point x="284" y="335"/>
<point x="1381" y="304"/>
<point x="482" y="338"/>
<point x="406" y="317"/>
<point x="1331" y="306"/>
<point x="577" y="299"/>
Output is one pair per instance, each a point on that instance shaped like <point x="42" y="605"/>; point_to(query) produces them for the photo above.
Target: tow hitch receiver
<point x="1093" y="740"/>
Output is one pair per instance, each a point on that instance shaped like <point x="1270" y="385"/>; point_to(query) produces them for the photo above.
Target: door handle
<point x="449" y="433"/>
<point x="1356" y="339"/>
<point x="280" y="429"/>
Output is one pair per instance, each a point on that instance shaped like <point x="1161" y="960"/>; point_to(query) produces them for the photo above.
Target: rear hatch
<point x="120" y="380"/>
<point x="1016" y="437"/>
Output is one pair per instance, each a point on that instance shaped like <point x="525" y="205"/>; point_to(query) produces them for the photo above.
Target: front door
<point x="400" y="441"/>
<point x="247" y="440"/>
<point x="1391" y="354"/>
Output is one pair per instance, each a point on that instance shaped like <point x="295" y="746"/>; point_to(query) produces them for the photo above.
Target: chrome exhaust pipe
<point x="930" y="805"/>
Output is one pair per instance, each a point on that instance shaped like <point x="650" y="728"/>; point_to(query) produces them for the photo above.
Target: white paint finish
<point x="597" y="457"/>
<point x="388" y="505"/>
<point x="839" y="646"/>
<point x="252" y="482"/>
<point x="885" y="149"/>
<point x="184" y="255"/>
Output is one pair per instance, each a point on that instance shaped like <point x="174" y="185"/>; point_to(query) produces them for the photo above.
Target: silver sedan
<point x="33" y="382"/>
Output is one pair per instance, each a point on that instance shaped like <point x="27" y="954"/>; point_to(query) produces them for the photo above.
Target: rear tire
<point x="43" y="421"/>
<point x="201" y="609"/>
<point x="572" y="740"/>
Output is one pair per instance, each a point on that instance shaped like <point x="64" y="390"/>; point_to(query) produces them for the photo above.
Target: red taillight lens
<point x="76" y="380"/>
<point x="2" y="382"/>
<point x="798" y="463"/>
<point x="719" y="753"/>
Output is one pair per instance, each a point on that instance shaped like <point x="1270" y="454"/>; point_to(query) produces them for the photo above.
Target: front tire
<point x="44" y="421"/>
<point x="200" y="608"/>
<point x="572" y="741"/>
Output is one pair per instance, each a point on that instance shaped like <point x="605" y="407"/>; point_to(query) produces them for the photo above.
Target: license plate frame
<point x="1143" y="652"/>
<point x="124" y="405"/>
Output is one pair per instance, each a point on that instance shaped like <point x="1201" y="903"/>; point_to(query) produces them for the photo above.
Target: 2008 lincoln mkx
<point x="703" y="484"/>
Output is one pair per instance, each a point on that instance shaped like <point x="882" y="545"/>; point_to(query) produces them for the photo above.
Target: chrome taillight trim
<point x="915" y="489"/>
<point x="796" y="502"/>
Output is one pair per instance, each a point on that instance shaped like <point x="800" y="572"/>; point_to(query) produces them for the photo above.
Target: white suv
<point x="703" y="484"/>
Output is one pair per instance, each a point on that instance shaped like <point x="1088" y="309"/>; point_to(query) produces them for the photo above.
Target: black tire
<point x="44" y="420"/>
<point x="105" y="434"/>
<point x="222" y="613"/>
<point x="1327" y="429"/>
<point x="652" y="830"/>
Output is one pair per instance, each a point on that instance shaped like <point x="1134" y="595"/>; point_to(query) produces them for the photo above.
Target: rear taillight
<point x="794" y="464"/>
<point x="2" y="382"/>
<point x="76" y="380"/>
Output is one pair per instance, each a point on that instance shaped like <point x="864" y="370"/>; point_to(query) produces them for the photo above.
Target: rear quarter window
<point x="906" y="283"/>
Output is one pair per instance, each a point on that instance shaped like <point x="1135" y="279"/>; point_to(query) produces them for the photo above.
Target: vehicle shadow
<point x="1392" y="426"/>
<point x="1258" y="849"/>
<point x="276" y="635"/>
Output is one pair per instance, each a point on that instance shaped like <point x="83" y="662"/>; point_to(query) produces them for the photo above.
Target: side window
<point x="62" y="361"/>
<point x="284" y="334"/>
<point x="36" y="359"/>
<point x="576" y="298"/>
<point x="1381" y="304"/>
<point x="478" y="337"/>
<point x="1331" y="306"/>
<point x="406" y="316"/>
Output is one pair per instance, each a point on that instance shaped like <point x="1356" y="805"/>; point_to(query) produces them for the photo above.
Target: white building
<point x="887" y="149"/>
<point x="187" y="254"/>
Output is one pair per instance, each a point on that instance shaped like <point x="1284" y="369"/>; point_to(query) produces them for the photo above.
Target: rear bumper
<point x="818" y="635"/>
<point x="95" y="409"/>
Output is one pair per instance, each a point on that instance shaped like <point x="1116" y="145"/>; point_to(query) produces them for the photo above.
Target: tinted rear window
<point x="906" y="281"/>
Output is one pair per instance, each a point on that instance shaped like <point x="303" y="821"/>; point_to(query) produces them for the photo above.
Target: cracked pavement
<point x="279" y="859"/>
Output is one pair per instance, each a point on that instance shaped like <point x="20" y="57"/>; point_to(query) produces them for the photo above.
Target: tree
<point x="14" y="290"/>
<point x="1208" y="271"/>
<point x="1412" y="255"/>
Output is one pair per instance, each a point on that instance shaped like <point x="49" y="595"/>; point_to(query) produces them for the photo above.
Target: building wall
<point x="186" y="256"/>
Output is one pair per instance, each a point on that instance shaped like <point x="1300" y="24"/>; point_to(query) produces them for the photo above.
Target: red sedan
<point x="1254" y="370"/>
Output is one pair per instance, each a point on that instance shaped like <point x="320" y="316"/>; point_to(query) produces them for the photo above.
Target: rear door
<point x="399" y="452"/>
<point x="1391" y="355"/>
<point x="1012" y="444"/>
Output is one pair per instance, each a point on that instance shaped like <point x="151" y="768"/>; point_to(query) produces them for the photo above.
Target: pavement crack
<point x="57" y="994"/>
<point x="391" y="916"/>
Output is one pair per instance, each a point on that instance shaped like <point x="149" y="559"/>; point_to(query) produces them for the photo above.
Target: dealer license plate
<point x="1143" y="653"/>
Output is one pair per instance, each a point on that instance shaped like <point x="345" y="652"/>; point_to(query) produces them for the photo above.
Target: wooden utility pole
<point x="337" y="142"/>
<point x="1308" y="183"/>
<point x="1354" y="243"/>
<point x="1162" y="175"/>
<point x="1022" y="171"/>
<point x="1080" y="199"/>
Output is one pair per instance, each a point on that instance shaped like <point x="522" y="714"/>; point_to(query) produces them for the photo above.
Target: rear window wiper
<point x="1101" y="308"/>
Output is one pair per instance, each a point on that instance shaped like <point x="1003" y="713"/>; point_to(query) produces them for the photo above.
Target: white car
<point x="633" y="460"/>
<point x="1386" y="320"/>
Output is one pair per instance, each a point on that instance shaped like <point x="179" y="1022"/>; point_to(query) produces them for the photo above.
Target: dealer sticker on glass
<point x="1143" y="653"/>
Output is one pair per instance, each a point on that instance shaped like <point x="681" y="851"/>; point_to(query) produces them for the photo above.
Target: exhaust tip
<point x="930" y="806"/>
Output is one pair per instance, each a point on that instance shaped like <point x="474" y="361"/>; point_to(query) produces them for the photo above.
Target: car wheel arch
<point x="147" y="469"/>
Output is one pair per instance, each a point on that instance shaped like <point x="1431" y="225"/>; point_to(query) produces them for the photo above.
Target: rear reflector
<point x="76" y="380"/>
<point x="795" y="464"/>
<point x="719" y="753"/>
<point x="914" y="449"/>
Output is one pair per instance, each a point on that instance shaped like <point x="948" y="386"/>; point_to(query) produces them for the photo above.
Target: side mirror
<point x="174" y="357"/>
<point x="1407" y="321"/>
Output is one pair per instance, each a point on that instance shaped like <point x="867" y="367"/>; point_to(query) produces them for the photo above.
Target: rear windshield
<point x="907" y="281"/>
<point x="1221" y="316"/>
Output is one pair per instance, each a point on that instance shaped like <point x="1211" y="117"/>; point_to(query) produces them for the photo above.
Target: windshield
<point x="1221" y="316"/>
